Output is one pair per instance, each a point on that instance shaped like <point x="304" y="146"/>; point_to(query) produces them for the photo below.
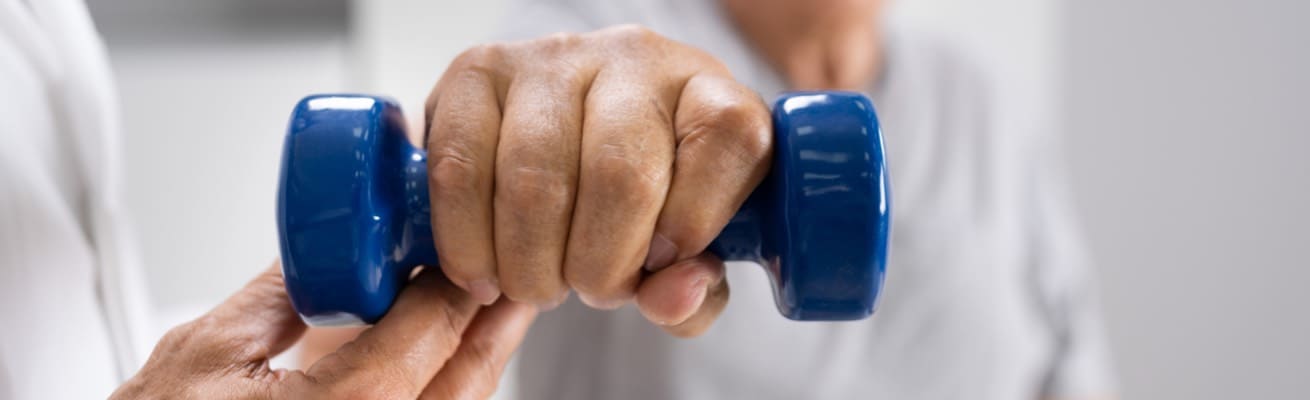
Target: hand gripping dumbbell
<point x="354" y="219"/>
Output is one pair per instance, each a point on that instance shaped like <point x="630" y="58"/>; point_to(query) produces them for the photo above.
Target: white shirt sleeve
<point x="532" y="19"/>
<point x="70" y="293"/>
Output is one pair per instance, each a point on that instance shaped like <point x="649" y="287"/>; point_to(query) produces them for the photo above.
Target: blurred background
<point x="1184" y="124"/>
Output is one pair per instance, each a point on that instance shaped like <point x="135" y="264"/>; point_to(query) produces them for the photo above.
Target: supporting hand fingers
<point x="225" y="351"/>
<point x="260" y="316"/>
<point x="475" y="369"/>
<point x="398" y="356"/>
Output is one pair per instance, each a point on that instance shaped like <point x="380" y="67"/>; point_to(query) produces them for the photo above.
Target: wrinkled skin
<point x="572" y="161"/>
<point x="434" y="344"/>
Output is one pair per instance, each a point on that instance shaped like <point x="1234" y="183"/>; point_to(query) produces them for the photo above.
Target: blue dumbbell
<point x="353" y="214"/>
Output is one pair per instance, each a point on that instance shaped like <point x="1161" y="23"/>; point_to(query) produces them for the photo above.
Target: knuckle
<point x="631" y="40"/>
<point x="567" y="74"/>
<point x="633" y="34"/>
<point x="465" y="75"/>
<point x="535" y="190"/>
<point x="453" y="173"/>
<point x="480" y="57"/>
<point x="176" y="339"/>
<point x="621" y="177"/>
<point x="563" y="58"/>
<point x="740" y="124"/>
<point x="205" y="338"/>
<point x="189" y="336"/>
<point x="740" y="114"/>
<point x="706" y="61"/>
<point x="557" y="42"/>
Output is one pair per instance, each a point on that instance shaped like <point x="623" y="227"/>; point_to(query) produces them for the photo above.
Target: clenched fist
<point x="575" y="160"/>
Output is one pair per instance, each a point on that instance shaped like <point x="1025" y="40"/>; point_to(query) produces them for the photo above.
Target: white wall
<point x="401" y="47"/>
<point x="1189" y="137"/>
<point x="207" y="89"/>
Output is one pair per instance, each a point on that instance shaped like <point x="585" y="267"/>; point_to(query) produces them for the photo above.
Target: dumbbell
<point x="354" y="219"/>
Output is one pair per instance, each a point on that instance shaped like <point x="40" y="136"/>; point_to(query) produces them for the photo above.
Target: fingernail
<point x="703" y="290"/>
<point x="702" y="286"/>
<point x="484" y="291"/>
<point x="662" y="253"/>
<point x="553" y="305"/>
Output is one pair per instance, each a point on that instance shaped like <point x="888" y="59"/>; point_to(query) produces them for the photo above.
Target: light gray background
<point x="1188" y="131"/>
<point x="1185" y="121"/>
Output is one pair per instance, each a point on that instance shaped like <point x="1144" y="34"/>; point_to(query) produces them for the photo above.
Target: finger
<point x="465" y="123"/>
<point x="536" y="180"/>
<point x="475" y="369"/>
<point x="627" y="155"/>
<point x="254" y="324"/>
<point x="673" y="295"/>
<point x="716" y="300"/>
<point x="398" y="356"/>
<point x="225" y="350"/>
<point x="319" y="342"/>
<point x="724" y="147"/>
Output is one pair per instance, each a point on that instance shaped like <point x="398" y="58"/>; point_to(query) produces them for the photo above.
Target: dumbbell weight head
<point x="354" y="217"/>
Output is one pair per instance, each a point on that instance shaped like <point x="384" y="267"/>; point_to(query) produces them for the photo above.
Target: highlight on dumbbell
<point x="354" y="219"/>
